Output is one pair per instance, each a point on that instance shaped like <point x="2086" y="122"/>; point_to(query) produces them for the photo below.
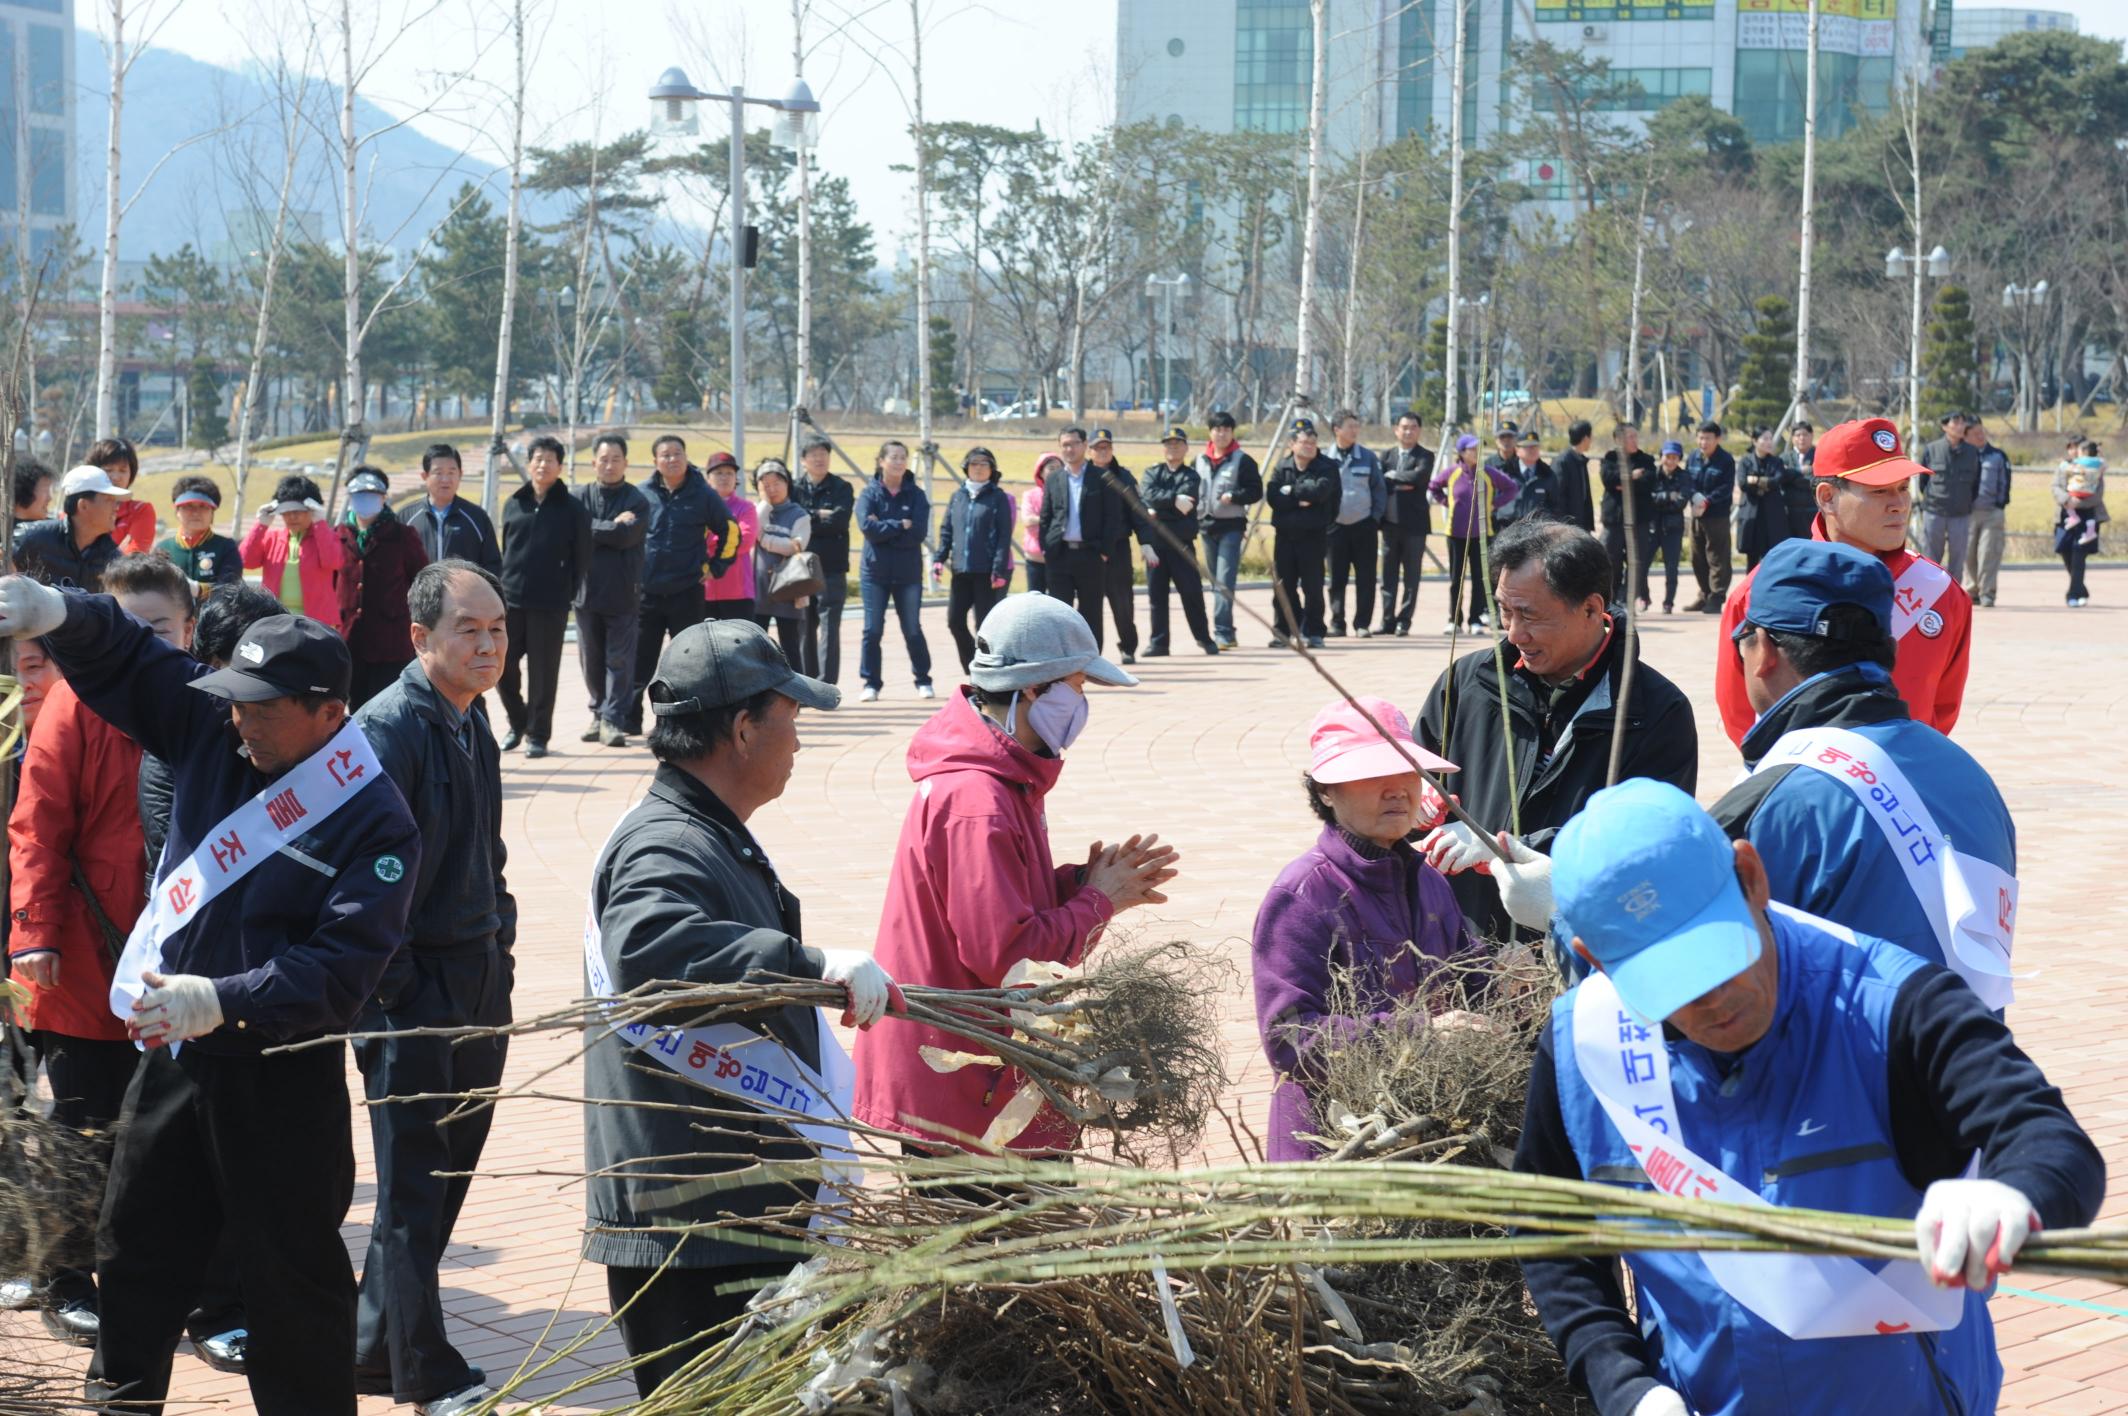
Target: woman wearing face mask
<point x="381" y="555"/>
<point x="1362" y="903"/>
<point x="313" y="588"/>
<point x="973" y="889"/>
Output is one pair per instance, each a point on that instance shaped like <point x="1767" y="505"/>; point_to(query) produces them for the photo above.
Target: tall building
<point x="1982" y="26"/>
<point x="1241" y="64"/>
<point x="36" y="125"/>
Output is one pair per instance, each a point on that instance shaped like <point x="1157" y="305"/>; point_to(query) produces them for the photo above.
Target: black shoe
<point x="1129" y="657"/>
<point x="535" y="748"/>
<point x="1403" y="631"/>
<point x="225" y="1353"/>
<point x="1712" y="607"/>
<point x="1150" y="654"/>
<point x="1337" y="631"/>
<point x="1363" y="632"/>
<point x="511" y="739"/>
<point x="74" y="1322"/>
<point x="1313" y="641"/>
<point x="1280" y="643"/>
<point x="1208" y="647"/>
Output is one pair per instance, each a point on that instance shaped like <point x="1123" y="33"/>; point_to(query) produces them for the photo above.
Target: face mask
<point x="1058" y="715"/>
<point x="366" y="504"/>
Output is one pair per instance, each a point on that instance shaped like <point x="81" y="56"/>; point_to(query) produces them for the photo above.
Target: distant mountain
<point x="408" y="179"/>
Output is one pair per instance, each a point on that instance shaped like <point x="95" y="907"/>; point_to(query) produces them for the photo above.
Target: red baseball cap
<point x="1866" y="452"/>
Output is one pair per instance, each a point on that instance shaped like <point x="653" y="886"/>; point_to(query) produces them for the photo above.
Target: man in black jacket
<point x="430" y="730"/>
<point x="1232" y="484"/>
<point x="450" y="526"/>
<point x="1552" y="584"/>
<point x="1075" y="530"/>
<point x="610" y="600"/>
<point x="546" y="551"/>
<point x="1171" y="494"/>
<point x="1120" y="517"/>
<point x="1303" y="493"/>
<point x="1639" y="470"/>
<point x="1571" y="501"/>
<point x="1405" y="525"/>
<point x="830" y="500"/>
<point x="682" y="892"/>
<point x="272" y="935"/>
<point x="74" y="548"/>
<point x="685" y="511"/>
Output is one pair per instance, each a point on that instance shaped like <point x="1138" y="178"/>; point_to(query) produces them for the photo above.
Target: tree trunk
<point x="1311" y="221"/>
<point x="113" y="212"/>
<point x="254" y="379"/>
<point x="1810" y="191"/>
<point x="923" y="249"/>
<point x="1450" y="374"/>
<point x="802" y="385"/>
<point x="356" y="392"/>
<point x="499" y="402"/>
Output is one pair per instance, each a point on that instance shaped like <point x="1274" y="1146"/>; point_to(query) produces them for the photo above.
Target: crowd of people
<point x="256" y="813"/>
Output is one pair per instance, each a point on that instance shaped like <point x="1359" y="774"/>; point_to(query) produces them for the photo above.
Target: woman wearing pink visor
<point x="1362" y="903"/>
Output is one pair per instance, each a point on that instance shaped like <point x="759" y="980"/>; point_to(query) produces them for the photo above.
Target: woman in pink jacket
<point x="731" y="594"/>
<point x="315" y="588"/>
<point x="1031" y="525"/>
<point x="973" y="889"/>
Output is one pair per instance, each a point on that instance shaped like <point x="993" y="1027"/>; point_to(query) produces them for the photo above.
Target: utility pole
<point x="737" y="241"/>
<point x="499" y="403"/>
<point x="805" y="232"/>
<point x="1455" y="218"/>
<point x="923" y="255"/>
<point x="1311" y="227"/>
<point x="1810" y="196"/>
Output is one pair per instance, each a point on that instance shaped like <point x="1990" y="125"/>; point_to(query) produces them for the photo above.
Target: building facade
<point x="1982" y="26"/>
<point x="37" y="97"/>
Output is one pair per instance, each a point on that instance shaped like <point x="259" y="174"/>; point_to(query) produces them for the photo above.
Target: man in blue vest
<point x="1862" y="815"/>
<point x="1736" y="1050"/>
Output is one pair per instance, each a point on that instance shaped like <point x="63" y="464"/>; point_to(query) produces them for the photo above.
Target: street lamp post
<point x="1167" y="285"/>
<point x="1898" y="265"/>
<point x="673" y="115"/>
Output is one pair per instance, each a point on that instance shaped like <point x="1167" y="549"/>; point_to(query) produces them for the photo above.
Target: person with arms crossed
<point x="1363" y="500"/>
<point x="1406" y="523"/>
<point x="1172" y="492"/>
<point x="685" y="513"/>
<point x="610" y="600"/>
<point x="830" y="500"/>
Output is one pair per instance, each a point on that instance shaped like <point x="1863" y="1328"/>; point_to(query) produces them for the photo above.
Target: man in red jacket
<point x="1864" y="494"/>
<point x="75" y="888"/>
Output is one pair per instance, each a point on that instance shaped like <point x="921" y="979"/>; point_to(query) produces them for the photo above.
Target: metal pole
<point x="1167" y="349"/>
<point x="738" y="275"/>
<point x="1810" y="183"/>
<point x="1455" y="221"/>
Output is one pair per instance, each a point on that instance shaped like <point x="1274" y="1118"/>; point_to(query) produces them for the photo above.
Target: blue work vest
<point x="1803" y="1117"/>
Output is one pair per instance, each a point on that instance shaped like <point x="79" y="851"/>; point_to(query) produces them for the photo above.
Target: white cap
<point x="1029" y="640"/>
<point x="90" y="479"/>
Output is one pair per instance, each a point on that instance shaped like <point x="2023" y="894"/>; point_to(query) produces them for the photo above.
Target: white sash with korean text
<point x="1914" y="595"/>
<point x="1971" y="904"/>
<point x="1626" y="1065"/>
<point x="748" y="1066"/>
<point x="291" y="806"/>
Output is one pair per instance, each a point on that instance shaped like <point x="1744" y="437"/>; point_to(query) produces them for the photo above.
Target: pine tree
<point x="208" y="424"/>
<point x="1950" y="375"/>
<point x="945" y="356"/>
<point x="1768" y="369"/>
<point x="1433" y="385"/>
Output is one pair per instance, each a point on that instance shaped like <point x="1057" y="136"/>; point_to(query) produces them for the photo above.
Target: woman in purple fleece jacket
<point x="1361" y="900"/>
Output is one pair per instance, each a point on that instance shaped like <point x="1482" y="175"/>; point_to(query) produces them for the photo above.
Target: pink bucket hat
<point x="1343" y="747"/>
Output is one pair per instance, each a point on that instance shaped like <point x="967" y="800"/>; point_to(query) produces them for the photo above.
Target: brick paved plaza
<point x="1208" y="752"/>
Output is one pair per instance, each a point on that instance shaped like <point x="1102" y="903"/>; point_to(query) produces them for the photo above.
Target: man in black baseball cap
<point x="1122" y="525"/>
<point x="281" y="895"/>
<point x="1172" y="492"/>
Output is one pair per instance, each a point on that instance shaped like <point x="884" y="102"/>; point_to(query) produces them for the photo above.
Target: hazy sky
<point x="1009" y="62"/>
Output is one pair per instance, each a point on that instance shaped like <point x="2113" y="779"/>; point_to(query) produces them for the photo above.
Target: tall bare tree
<point x="499" y="402"/>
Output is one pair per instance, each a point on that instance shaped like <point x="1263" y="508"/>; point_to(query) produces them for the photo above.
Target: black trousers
<point x="1403" y="562"/>
<point x="1179" y="570"/>
<point x="969" y="596"/>
<point x="665" y="614"/>
<point x="680" y="1305"/>
<point x="790" y="636"/>
<point x="536" y="644"/>
<point x="1121" y="592"/>
<point x="370" y="679"/>
<point x="1466" y="563"/>
<point x="88" y="1077"/>
<point x="257" y="1148"/>
<point x="823" y="629"/>
<point x="399" y="1311"/>
<point x="2073" y="557"/>
<point x="605" y="652"/>
<point x="1078" y="577"/>
<point x="1352" y="551"/>
<point x="1037" y="575"/>
<point x="1297" y="565"/>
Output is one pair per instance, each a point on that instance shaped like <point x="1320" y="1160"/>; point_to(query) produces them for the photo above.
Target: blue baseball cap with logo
<point x="1799" y="580"/>
<point x="1673" y="448"/>
<point x="1647" y="882"/>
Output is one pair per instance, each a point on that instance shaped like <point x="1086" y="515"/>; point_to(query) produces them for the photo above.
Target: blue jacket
<point x="1713" y="477"/>
<point x="893" y="554"/>
<point x="1363" y="492"/>
<point x="975" y="534"/>
<point x="676" y="547"/>
<point x="1823" y="853"/>
<point x="296" y="947"/>
<point x="1805" y="1116"/>
<point x="1994" y="478"/>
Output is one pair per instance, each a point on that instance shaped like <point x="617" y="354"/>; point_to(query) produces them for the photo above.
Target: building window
<point x="1175" y="48"/>
<point x="1272" y="58"/>
<point x="47" y="70"/>
<point x="48" y="174"/>
<point x="1418" y="55"/>
<point x="1640" y="90"/>
<point x="1770" y="86"/>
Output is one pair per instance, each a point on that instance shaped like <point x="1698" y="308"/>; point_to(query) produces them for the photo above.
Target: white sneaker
<point x="1449" y="628"/>
<point x="924" y="690"/>
<point x="870" y="695"/>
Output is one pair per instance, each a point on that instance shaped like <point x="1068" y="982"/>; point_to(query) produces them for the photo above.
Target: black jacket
<point x="46" y="551"/>
<point x="1236" y="476"/>
<point x="975" y="534"/>
<point x="1571" y="501"/>
<point x="452" y="783"/>
<point x="1762" y="512"/>
<point x="1120" y="486"/>
<point x="546" y="549"/>
<point x="1096" y="508"/>
<point x="1614" y="514"/>
<point x="1953" y="478"/>
<point x="462" y="530"/>
<point x="1461" y="721"/>
<point x="830" y="502"/>
<point x="1315" y="484"/>
<point x="676" y="547"/>
<point x="613" y="583"/>
<point x="1540" y="491"/>
<point x="1408" y="474"/>
<point x="682" y="893"/>
<point x="1161" y="486"/>
<point x="295" y="948"/>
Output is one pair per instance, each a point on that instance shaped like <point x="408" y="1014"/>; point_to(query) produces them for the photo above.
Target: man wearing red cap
<point x="1864" y="494"/>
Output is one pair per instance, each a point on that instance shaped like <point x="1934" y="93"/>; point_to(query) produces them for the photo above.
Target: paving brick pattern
<point x="1208" y="752"/>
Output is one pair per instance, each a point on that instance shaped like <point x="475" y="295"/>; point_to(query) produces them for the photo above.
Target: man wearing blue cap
<point x="1862" y="815"/>
<point x="1733" y="1049"/>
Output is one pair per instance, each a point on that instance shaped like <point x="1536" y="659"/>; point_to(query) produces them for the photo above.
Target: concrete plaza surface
<point x="1208" y="752"/>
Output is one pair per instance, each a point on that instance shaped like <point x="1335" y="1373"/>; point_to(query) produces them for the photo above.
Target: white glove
<point x="870" y="986"/>
<point x="176" y="1008"/>
<point x="1526" y="885"/>
<point x="1453" y="848"/>
<point x="29" y="609"/>
<point x="1185" y="504"/>
<point x="1969" y="1231"/>
<point x="1661" y="1401"/>
<point x="1152" y="557"/>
